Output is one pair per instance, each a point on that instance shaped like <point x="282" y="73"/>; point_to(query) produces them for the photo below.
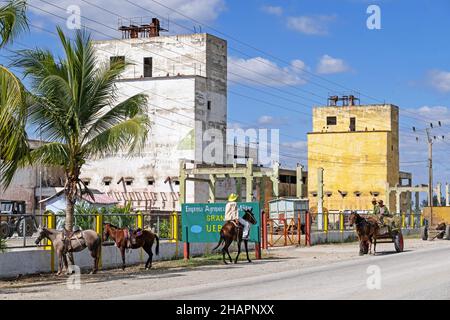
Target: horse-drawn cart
<point x="391" y="236"/>
<point x="436" y="223"/>
<point x="368" y="230"/>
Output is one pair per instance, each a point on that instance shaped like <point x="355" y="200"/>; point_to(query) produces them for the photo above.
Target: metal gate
<point x="285" y="231"/>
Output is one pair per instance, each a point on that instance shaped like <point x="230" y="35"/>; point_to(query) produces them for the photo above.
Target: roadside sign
<point x="202" y="222"/>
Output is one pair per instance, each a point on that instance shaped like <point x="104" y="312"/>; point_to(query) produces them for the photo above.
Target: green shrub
<point x="165" y="231"/>
<point x="2" y="245"/>
<point x="122" y="221"/>
<point x="84" y="215"/>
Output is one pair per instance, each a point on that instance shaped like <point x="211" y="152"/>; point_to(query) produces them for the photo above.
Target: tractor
<point x="13" y="218"/>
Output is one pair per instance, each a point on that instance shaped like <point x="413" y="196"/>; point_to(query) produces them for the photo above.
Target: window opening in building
<point x="331" y="121"/>
<point x="352" y="124"/>
<point x="148" y="67"/>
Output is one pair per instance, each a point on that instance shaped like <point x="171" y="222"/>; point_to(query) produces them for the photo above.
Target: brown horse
<point x="78" y="241"/>
<point x="138" y="239"/>
<point x="231" y="232"/>
<point x="367" y="230"/>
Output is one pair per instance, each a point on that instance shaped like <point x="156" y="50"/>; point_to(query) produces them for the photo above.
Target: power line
<point x="185" y="44"/>
<point x="263" y="52"/>
<point x="231" y="91"/>
<point x="354" y="162"/>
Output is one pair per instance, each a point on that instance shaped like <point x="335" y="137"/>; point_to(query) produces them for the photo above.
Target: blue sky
<point x="406" y="63"/>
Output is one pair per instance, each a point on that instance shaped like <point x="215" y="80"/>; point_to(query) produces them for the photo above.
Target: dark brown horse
<point x="138" y="239"/>
<point x="231" y="232"/>
<point x="367" y="230"/>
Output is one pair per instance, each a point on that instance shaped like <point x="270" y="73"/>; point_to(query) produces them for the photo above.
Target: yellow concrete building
<point x="358" y="148"/>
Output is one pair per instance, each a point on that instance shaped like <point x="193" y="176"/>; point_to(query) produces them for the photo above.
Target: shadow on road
<point x="387" y="253"/>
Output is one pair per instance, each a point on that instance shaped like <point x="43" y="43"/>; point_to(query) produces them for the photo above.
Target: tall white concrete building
<point x="185" y="78"/>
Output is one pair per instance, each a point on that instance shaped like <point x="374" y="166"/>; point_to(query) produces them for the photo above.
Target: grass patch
<point x="204" y="260"/>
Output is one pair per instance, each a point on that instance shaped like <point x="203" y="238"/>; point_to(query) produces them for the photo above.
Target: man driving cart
<point x="382" y="215"/>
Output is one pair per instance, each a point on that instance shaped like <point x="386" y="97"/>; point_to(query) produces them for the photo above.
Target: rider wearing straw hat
<point x="232" y="214"/>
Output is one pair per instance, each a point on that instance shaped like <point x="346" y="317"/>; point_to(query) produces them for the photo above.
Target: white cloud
<point x="298" y="145"/>
<point x="329" y="65"/>
<point x="266" y="120"/>
<point x="277" y="11"/>
<point x="435" y="113"/>
<point x="202" y="10"/>
<point x="259" y="71"/>
<point x="439" y="80"/>
<point x="311" y="25"/>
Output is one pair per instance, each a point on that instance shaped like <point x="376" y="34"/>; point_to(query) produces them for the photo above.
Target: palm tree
<point x="75" y="108"/>
<point x="13" y="96"/>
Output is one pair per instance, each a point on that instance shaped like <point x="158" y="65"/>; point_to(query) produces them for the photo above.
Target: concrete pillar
<point x="212" y="188"/>
<point x="249" y="181"/>
<point x="408" y="200"/>
<point x="275" y="179"/>
<point x="447" y="204"/>
<point x="397" y="201"/>
<point x="182" y="182"/>
<point x="439" y="194"/>
<point x="320" y="198"/>
<point x="416" y="201"/>
<point x="299" y="192"/>
<point x="238" y="182"/>
<point x="387" y="202"/>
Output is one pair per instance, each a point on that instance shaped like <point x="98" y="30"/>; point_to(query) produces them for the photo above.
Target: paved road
<point x="318" y="272"/>
<point x="421" y="274"/>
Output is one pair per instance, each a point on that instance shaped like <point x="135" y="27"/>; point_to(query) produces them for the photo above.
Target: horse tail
<point x="157" y="245"/>
<point x="221" y="240"/>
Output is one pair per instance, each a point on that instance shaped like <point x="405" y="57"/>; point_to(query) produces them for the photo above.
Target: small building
<point x="34" y="183"/>
<point x="57" y="202"/>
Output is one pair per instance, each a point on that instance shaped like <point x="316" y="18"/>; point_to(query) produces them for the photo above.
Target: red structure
<point x="137" y="28"/>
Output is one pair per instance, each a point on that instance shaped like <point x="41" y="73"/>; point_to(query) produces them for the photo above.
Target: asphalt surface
<point x="421" y="274"/>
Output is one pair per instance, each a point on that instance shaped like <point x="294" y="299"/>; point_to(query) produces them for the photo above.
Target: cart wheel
<point x="28" y="227"/>
<point x="4" y="230"/>
<point x="424" y="233"/>
<point x="447" y="233"/>
<point x="398" y="242"/>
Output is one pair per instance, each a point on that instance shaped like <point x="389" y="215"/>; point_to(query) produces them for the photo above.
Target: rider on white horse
<point x="232" y="214"/>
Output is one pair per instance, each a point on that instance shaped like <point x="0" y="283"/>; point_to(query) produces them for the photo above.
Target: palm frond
<point x="14" y="102"/>
<point x="50" y="154"/>
<point x="13" y="20"/>
<point x="127" y="136"/>
<point x="133" y="106"/>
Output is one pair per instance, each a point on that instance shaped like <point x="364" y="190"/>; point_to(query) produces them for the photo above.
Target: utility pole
<point x="430" y="139"/>
<point x="430" y="168"/>
<point x="430" y="174"/>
